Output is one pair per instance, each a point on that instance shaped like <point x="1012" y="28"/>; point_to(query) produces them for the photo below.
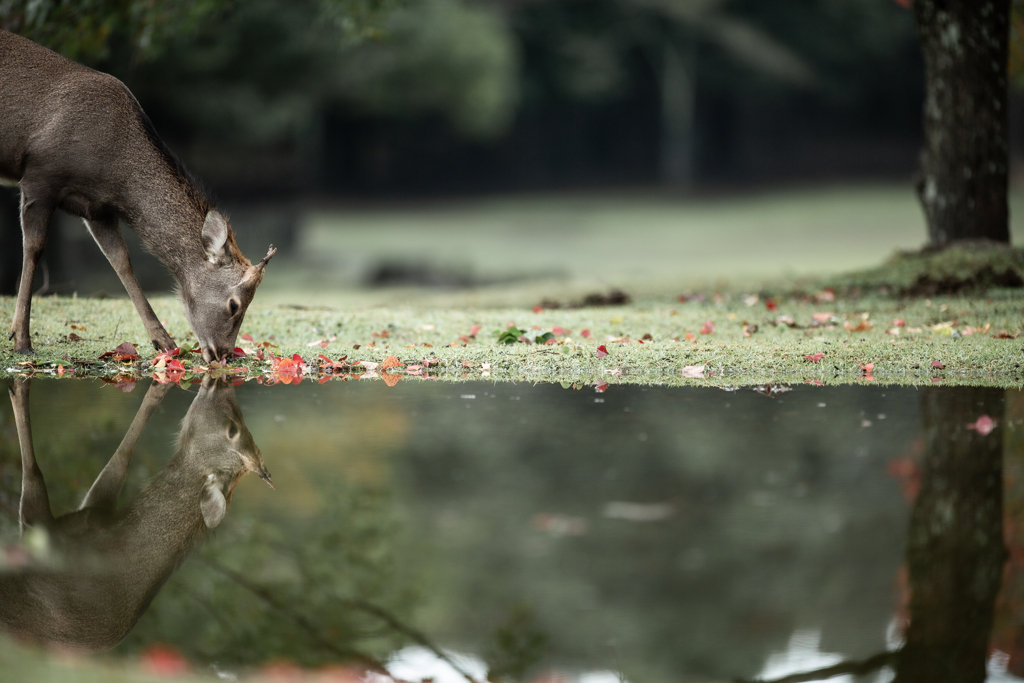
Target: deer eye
<point x="233" y="306"/>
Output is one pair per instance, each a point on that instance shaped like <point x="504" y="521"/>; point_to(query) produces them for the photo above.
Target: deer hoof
<point x="26" y="351"/>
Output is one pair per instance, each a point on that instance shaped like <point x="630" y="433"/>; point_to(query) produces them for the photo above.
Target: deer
<point x="110" y="563"/>
<point x="77" y="140"/>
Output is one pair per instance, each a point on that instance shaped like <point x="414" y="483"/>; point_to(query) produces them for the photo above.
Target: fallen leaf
<point x="862" y="326"/>
<point x="815" y="358"/>
<point x="319" y="342"/>
<point x="560" y="331"/>
<point x="391" y="362"/>
<point x="938" y="364"/>
<point x="771" y="305"/>
<point x="708" y="328"/>
<point x="899" y="322"/>
<point x="466" y="364"/>
<point x="1003" y="334"/>
<point x="614" y="371"/>
<point x="749" y="330"/>
<point x="983" y="425"/>
<point x="601" y="386"/>
<point x="585" y="334"/>
<point x="602" y="351"/>
<point x="368" y="364"/>
<point x="74" y="337"/>
<point x="473" y="330"/>
<point x="751" y="300"/>
<point x="693" y="371"/>
<point x="868" y="368"/>
<point x="690" y="336"/>
<point x="60" y="370"/>
<point x="390" y="378"/>
<point x="124" y="351"/>
<point x="821" y="317"/>
<point x="238" y="352"/>
<point x="247" y="337"/>
<point x="430" y="362"/>
<point x="538" y="309"/>
<point x="786" y="320"/>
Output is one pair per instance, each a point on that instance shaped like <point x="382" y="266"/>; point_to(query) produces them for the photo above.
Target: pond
<point x="449" y="531"/>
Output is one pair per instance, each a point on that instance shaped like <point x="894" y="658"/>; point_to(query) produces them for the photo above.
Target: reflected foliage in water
<point x="650" y="531"/>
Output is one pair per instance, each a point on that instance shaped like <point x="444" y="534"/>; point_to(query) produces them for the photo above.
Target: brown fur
<point x="76" y="139"/>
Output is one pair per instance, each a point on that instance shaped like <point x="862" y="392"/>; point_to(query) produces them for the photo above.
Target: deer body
<point x="111" y="563"/>
<point x="77" y="140"/>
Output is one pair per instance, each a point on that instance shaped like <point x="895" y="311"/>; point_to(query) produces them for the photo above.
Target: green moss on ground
<point x="948" y="329"/>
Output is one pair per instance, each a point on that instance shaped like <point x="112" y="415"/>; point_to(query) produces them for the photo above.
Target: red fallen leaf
<point x="538" y="309"/>
<point x="601" y="386"/>
<point x="899" y="322"/>
<point x="602" y="351"/>
<point x="175" y="365"/>
<point x="771" y="305"/>
<point x="868" y="368"/>
<point x="259" y="354"/>
<point x="473" y="330"/>
<point x="561" y="332"/>
<point x="163" y="660"/>
<point x="1003" y="334"/>
<point x="815" y="358"/>
<point x="984" y="425"/>
<point x="238" y="352"/>
<point x="938" y="364"/>
<point x="585" y="334"/>
<point x="708" y="328"/>
<point x="124" y="351"/>
<point x="247" y="337"/>
<point x="297" y="359"/>
<point x="325" y="378"/>
<point x="464" y="338"/>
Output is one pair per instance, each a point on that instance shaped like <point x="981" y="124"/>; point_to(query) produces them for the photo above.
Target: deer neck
<point x="168" y="214"/>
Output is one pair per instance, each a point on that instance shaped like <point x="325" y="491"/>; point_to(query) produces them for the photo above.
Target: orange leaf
<point x="708" y="328"/>
<point x="391" y="362"/>
<point x="815" y="358"/>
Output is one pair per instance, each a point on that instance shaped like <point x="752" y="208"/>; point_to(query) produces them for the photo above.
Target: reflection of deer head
<point x="110" y="563"/>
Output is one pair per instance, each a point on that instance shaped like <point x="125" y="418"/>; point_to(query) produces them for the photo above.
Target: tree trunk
<point x="955" y="549"/>
<point x="962" y="181"/>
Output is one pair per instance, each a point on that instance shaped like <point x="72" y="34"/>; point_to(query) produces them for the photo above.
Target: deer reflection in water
<point x="108" y="564"/>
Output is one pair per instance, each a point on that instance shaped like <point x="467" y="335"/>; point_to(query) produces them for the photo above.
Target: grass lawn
<point x="731" y="255"/>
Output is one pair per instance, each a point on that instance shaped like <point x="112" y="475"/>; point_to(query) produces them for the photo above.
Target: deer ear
<point x="215" y="234"/>
<point x="213" y="504"/>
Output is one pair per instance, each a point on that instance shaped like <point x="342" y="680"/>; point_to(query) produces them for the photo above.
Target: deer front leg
<point x="107" y="234"/>
<point x="35" y="221"/>
<point x="107" y="488"/>
<point x="35" y="503"/>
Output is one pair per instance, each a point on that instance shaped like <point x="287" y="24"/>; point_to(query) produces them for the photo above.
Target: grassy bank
<point x="650" y="341"/>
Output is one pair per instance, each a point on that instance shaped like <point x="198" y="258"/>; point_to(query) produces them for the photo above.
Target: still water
<point x="518" y="532"/>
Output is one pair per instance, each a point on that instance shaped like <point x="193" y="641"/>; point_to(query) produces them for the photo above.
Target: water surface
<point x="640" y="534"/>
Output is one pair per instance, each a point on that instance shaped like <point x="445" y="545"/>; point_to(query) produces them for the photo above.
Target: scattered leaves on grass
<point x="983" y="425"/>
<point x="602" y="351"/>
<point x="814" y="358"/>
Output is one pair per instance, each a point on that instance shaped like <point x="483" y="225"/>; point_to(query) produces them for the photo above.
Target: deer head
<point x="215" y="439"/>
<point x="217" y="292"/>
